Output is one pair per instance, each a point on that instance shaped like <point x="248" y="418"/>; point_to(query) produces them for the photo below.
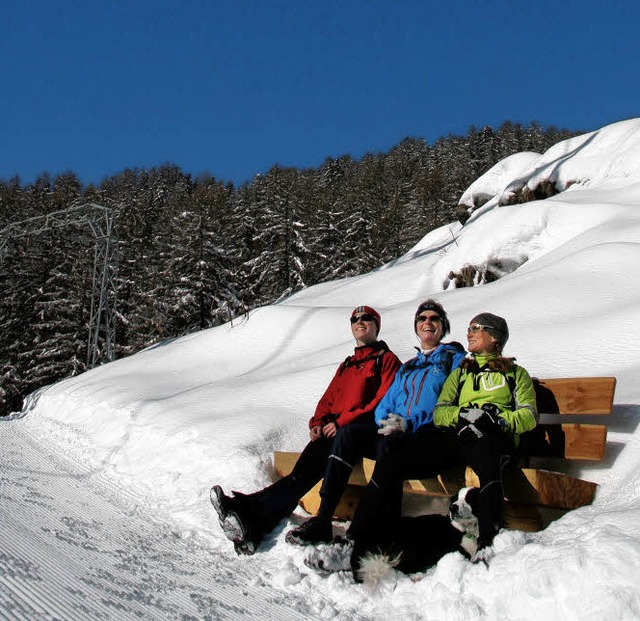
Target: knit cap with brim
<point x="369" y="311"/>
<point x="494" y="325"/>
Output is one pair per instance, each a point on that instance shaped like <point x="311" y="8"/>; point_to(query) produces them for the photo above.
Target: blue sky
<point x="232" y="87"/>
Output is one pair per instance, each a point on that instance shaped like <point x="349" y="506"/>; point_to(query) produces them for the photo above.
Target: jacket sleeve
<point x="458" y="357"/>
<point x="390" y="364"/>
<point x="525" y="415"/>
<point x="447" y="409"/>
<point x="387" y="404"/>
<point x="324" y="406"/>
<point x="423" y="416"/>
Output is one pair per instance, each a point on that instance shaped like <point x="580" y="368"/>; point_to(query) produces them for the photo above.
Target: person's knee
<point x="344" y="443"/>
<point x="388" y="447"/>
<point x="343" y="435"/>
<point x="387" y="470"/>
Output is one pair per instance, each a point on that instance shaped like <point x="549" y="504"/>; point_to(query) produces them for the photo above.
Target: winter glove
<point x="467" y="419"/>
<point x="393" y="423"/>
<point x="493" y="413"/>
<point x="475" y="422"/>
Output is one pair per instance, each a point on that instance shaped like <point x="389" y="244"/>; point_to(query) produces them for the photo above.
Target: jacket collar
<point x="366" y="350"/>
<point x="491" y="362"/>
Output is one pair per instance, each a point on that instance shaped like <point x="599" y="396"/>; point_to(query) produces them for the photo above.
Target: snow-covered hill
<point x="167" y="423"/>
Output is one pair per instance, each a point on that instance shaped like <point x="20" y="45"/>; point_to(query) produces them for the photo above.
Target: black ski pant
<point x="267" y="507"/>
<point x="424" y="454"/>
<point x="351" y="444"/>
<point x="328" y="458"/>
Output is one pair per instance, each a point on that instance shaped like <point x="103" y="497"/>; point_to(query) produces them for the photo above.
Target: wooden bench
<point x="536" y="489"/>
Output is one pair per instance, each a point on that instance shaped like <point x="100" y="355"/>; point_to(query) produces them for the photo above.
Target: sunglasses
<point x="364" y="317"/>
<point x="432" y="318"/>
<point x="476" y="327"/>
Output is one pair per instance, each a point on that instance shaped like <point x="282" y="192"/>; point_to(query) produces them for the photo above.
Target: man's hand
<point x="330" y="430"/>
<point x="315" y="433"/>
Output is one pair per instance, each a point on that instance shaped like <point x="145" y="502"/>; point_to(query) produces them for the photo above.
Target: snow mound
<point x="495" y="180"/>
<point x="607" y="158"/>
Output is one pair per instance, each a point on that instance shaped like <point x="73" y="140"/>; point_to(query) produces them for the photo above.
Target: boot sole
<point x="218" y="498"/>
<point x="233" y="528"/>
<point x="244" y="548"/>
<point x="237" y="532"/>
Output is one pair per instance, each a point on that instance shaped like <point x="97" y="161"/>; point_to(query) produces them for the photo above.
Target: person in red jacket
<point x="353" y="394"/>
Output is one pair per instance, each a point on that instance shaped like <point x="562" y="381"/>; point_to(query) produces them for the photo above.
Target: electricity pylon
<point x="99" y="220"/>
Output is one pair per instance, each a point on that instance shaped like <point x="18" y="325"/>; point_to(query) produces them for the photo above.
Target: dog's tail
<point x="376" y="568"/>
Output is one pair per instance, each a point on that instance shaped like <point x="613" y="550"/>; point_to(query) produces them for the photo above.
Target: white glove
<point x="393" y="423"/>
<point x="470" y="415"/>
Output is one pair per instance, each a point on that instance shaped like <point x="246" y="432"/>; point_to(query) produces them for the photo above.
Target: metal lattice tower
<point x="99" y="220"/>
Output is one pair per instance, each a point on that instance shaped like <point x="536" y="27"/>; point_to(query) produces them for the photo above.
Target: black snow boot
<point x="314" y="530"/>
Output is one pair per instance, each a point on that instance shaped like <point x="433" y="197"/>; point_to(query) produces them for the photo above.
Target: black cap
<point x="436" y="307"/>
<point x="495" y="326"/>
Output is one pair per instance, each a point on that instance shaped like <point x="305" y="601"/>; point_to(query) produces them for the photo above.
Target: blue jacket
<point x="417" y="384"/>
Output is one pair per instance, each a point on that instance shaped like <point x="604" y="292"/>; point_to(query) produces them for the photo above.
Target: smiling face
<point x="480" y="341"/>
<point x="429" y="329"/>
<point x="365" y="331"/>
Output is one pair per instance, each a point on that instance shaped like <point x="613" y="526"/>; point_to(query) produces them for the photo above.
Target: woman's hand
<point x="315" y="433"/>
<point x="330" y="430"/>
<point x="392" y="424"/>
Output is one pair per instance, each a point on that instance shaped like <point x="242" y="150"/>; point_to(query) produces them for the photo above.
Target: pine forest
<point x="195" y="252"/>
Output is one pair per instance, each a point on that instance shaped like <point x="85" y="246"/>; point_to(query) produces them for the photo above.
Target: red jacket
<point x="358" y="385"/>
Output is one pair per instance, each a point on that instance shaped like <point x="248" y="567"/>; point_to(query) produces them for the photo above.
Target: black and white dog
<point x="418" y="543"/>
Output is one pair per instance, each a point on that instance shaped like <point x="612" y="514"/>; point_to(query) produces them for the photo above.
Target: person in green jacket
<point x="487" y="402"/>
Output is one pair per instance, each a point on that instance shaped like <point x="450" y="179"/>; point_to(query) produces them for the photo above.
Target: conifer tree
<point x="275" y="265"/>
<point x="199" y="291"/>
<point x="59" y="320"/>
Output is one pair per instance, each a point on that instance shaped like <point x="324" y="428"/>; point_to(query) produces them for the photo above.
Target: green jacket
<point x="489" y="379"/>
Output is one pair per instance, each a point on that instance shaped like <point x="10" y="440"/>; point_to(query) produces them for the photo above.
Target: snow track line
<point x="71" y="549"/>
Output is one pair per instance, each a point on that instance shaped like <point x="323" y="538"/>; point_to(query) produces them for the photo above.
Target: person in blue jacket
<point x="408" y="405"/>
<point x="404" y="412"/>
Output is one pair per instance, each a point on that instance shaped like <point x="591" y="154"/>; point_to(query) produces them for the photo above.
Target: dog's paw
<point x="331" y="558"/>
<point x="484" y="555"/>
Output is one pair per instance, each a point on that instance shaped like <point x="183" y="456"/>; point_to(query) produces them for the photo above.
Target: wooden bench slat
<point x="585" y="441"/>
<point x="446" y="484"/>
<point x="346" y="508"/>
<point x="284" y="461"/>
<point x="553" y="489"/>
<point x="542" y="488"/>
<point x="575" y="395"/>
<point x="567" y="440"/>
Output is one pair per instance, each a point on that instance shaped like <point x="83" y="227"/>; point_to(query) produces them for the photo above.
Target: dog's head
<point x="462" y="510"/>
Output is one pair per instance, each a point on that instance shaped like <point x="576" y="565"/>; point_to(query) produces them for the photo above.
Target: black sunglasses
<point x="432" y="318"/>
<point x="364" y="317"/>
